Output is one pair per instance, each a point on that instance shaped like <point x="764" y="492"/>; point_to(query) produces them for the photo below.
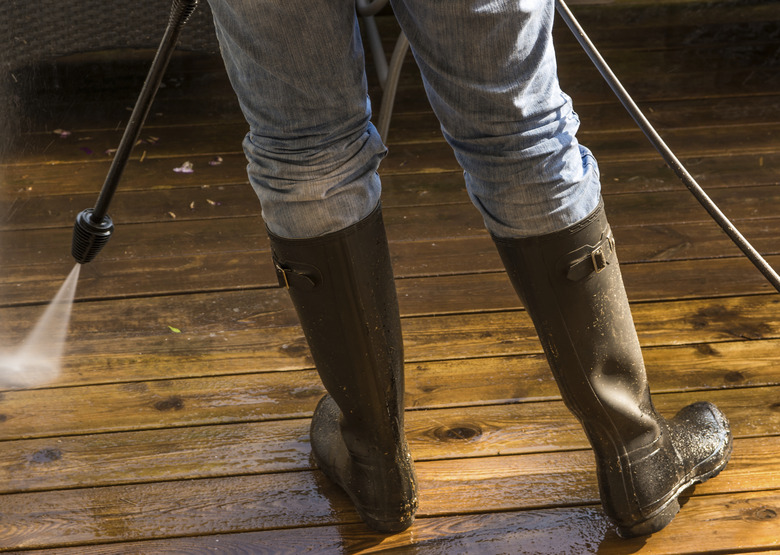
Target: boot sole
<point x="663" y="516"/>
<point x="387" y="526"/>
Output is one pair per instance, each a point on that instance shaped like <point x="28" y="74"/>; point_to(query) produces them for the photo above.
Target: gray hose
<point x="391" y="86"/>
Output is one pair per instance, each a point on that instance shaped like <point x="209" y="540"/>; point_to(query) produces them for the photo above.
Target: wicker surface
<point x="36" y="30"/>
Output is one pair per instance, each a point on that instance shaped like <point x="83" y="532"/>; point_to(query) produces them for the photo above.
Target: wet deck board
<point x="566" y="530"/>
<point x="154" y="440"/>
<point x="268" y="501"/>
<point x="185" y="447"/>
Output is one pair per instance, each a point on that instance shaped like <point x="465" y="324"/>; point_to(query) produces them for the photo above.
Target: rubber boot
<point x="343" y="290"/>
<point x="570" y="283"/>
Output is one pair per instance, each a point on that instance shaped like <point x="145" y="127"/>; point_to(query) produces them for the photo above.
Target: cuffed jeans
<point x="490" y="74"/>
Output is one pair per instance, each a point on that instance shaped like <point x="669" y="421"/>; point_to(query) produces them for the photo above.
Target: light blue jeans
<point x="489" y="70"/>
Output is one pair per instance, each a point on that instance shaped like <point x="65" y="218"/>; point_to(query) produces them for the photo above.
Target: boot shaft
<point x="342" y="287"/>
<point x="571" y="285"/>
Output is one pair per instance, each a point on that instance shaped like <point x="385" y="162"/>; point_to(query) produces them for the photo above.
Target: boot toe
<point x="702" y="437"/>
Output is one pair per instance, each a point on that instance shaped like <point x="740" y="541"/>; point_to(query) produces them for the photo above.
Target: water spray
<point x="93" y="227"/>
<point x="628" y="103"/>
<point x="37" y="361"/>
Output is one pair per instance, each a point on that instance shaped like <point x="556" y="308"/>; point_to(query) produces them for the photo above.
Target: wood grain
<point x="154" y="441"/>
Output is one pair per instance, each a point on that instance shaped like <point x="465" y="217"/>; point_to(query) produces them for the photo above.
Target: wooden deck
<point x="180" y="422"/>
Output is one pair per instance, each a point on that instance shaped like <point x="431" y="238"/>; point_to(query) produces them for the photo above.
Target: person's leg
<point x="490" y="73"/>
<point x="297" y="68"/>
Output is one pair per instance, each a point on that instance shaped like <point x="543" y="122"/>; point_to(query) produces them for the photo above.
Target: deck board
<point x="196" y="440"/>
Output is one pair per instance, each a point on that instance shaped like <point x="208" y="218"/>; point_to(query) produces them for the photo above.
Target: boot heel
<point x="653" y="524"/>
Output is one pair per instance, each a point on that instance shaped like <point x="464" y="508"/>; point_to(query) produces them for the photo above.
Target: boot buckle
<point x="599" y="255"/>
<point x="598" y="258"/>
<point x="589" y="259"/>
<point x="296" y="276"/>
<point x="281" y="275"/>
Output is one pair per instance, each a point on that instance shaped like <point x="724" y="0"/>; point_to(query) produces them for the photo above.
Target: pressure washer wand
<point x="93" y="227"/>
<point x="663" y="149"/>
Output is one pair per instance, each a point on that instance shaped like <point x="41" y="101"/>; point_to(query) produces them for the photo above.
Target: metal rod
<point x="180" y="12"/>
<point x="391" y="86"/>
<point x="659" y="144"/>
<point x="377" y="50"/>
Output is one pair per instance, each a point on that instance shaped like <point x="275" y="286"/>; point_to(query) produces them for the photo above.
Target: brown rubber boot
<point x="343" y="290"/>
<point x="570" y="283"/>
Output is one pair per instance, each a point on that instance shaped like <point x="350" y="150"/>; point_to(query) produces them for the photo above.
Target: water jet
<point x="38" y="360"/>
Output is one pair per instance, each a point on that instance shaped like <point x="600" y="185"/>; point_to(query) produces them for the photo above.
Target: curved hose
<point x="667" y="154"/>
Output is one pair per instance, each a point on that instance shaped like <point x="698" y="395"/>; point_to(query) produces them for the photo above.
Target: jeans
<point x="490" y="74"/>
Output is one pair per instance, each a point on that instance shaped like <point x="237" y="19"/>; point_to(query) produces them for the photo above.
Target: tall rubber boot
<point x="570" y="283"/>
<point x="343" y="290"/>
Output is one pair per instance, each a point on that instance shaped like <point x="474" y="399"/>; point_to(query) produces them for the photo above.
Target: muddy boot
<point x="570" y="283"/>
<point x="342" y="287"/>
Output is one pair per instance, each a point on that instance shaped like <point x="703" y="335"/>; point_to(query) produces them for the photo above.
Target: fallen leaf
<point x="186" y="167"/>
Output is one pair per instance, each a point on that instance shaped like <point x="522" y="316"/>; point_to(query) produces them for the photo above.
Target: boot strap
<point x="297" y="276"/>
<point x="591" y="258"/>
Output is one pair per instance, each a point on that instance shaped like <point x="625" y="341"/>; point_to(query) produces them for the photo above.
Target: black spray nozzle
<point x="93" y="227"/>
<point x="90" y="236"/>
